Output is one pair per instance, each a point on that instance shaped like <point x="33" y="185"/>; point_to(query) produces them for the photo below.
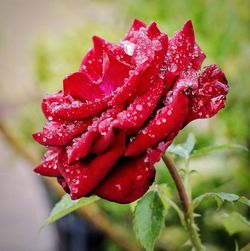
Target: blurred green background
<point x="222" y="31"/>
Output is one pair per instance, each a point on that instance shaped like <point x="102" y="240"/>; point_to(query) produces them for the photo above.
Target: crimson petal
<point x="58" y="134"/>
<point x="130" y="86"/>
<point x="137" y="24"/>
<point x="92" y="65"/>
<point x="160" y="46"/>
<point x="140" y="110"/>
<point x="81" y="146"/>
<point x="114" y="73"/>
<point x="82" y="178"/>
<point x="78" y="110"/>
<point x="128" y="181"/>
<point x="79" y="86"/>
<point x="210" y="95"/>
<point x="180" y="49"/>
<point x="49" y="167"/>
<point x="168" y="120"/>
<point x="198" y="57"/>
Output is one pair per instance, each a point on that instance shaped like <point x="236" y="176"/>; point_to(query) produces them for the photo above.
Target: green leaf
<point x="149" y="219"/>
<point x="66" y="206"/>
<point x="190" y="143"/>
<point x="166" y="198"/>
<point x="205" y="150"/>
<point x="230" y="197"/>
<point x="183" y="150"/>
<point x="235" y="223"/>
<point x="133" y="206"/>
<point x="221" y="198"/>
<point x="244" y="200"/>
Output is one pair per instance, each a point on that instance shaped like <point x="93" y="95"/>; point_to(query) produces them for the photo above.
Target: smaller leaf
<point x="148" y="219"/>
<point x="190" y="143"/>
<point x="205" y="150"/>
<point x="133" y="205"/>
<point x="164" y="191"/>
<point x="221" y="198"/>
<point x="166" y="198"/>
<point x="178" y="150"/>
<point x="66" y="206"/>
<point x="244" y="200"/>
<point x="183" y="150"/>
<point x="230" y="197"/>
<point x="235" y="223"/>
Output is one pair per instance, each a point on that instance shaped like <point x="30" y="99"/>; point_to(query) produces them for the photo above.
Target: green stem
<point x="193" y="232"/>
<point x="185" y="197"/>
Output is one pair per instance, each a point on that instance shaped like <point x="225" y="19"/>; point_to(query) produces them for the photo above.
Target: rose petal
<point x="79" y="86"/>
<point x="131" y="177"/>
<point x="92" y="65"/>
<point x="81" y="146"/>
<point x="137" y="24"/>
<point x="168" y="120"/>
<point x="140" y="110"/>
<point x="114" y="74"/>
<point x="198" y="57"/>
<point x="82" y="178"/>
<point x="64" y="184"/>
<point x="104" y="142"/>
<point x="160" y="46"/>
<point x="57" y="134"/>
<point x="180" y="49"/>
<point x="210" y="96"/>
<point x="127" y="91"/>
<point x="77" y="110"/>
<point x="49" y="167"/>
<point x="127" y="181"/>
<point x="47" y="102"/>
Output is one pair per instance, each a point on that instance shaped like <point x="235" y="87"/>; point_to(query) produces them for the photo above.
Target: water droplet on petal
<point x="156" y="45"/>
<point x="138" y="107"/>
<point x="172" y="67"/>
<point x="118" y="186"/>
<point x="128" y="47"/>
<point x="169" y="112"/>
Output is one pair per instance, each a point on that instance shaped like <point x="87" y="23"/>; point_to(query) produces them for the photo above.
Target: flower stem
<point x="178" y="181"/>
<point x="185" y="201"/>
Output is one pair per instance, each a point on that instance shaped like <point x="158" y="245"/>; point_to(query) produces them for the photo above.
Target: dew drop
<point x="128" y="47"/>
<point x="118" y="186"/>
<point x="138" y="107"/>
<point x="156" y="45"/>
<point x="74" y="190"/>
<point x="172" y="67"/>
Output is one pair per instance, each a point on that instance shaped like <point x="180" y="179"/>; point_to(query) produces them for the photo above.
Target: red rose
<point x="117" y="115"/>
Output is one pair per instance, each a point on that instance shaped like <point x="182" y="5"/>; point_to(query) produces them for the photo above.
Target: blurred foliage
<point x="222" y="31"/>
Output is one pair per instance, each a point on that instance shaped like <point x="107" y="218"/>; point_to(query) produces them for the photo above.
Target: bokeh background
<point x="43" y="41"/>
